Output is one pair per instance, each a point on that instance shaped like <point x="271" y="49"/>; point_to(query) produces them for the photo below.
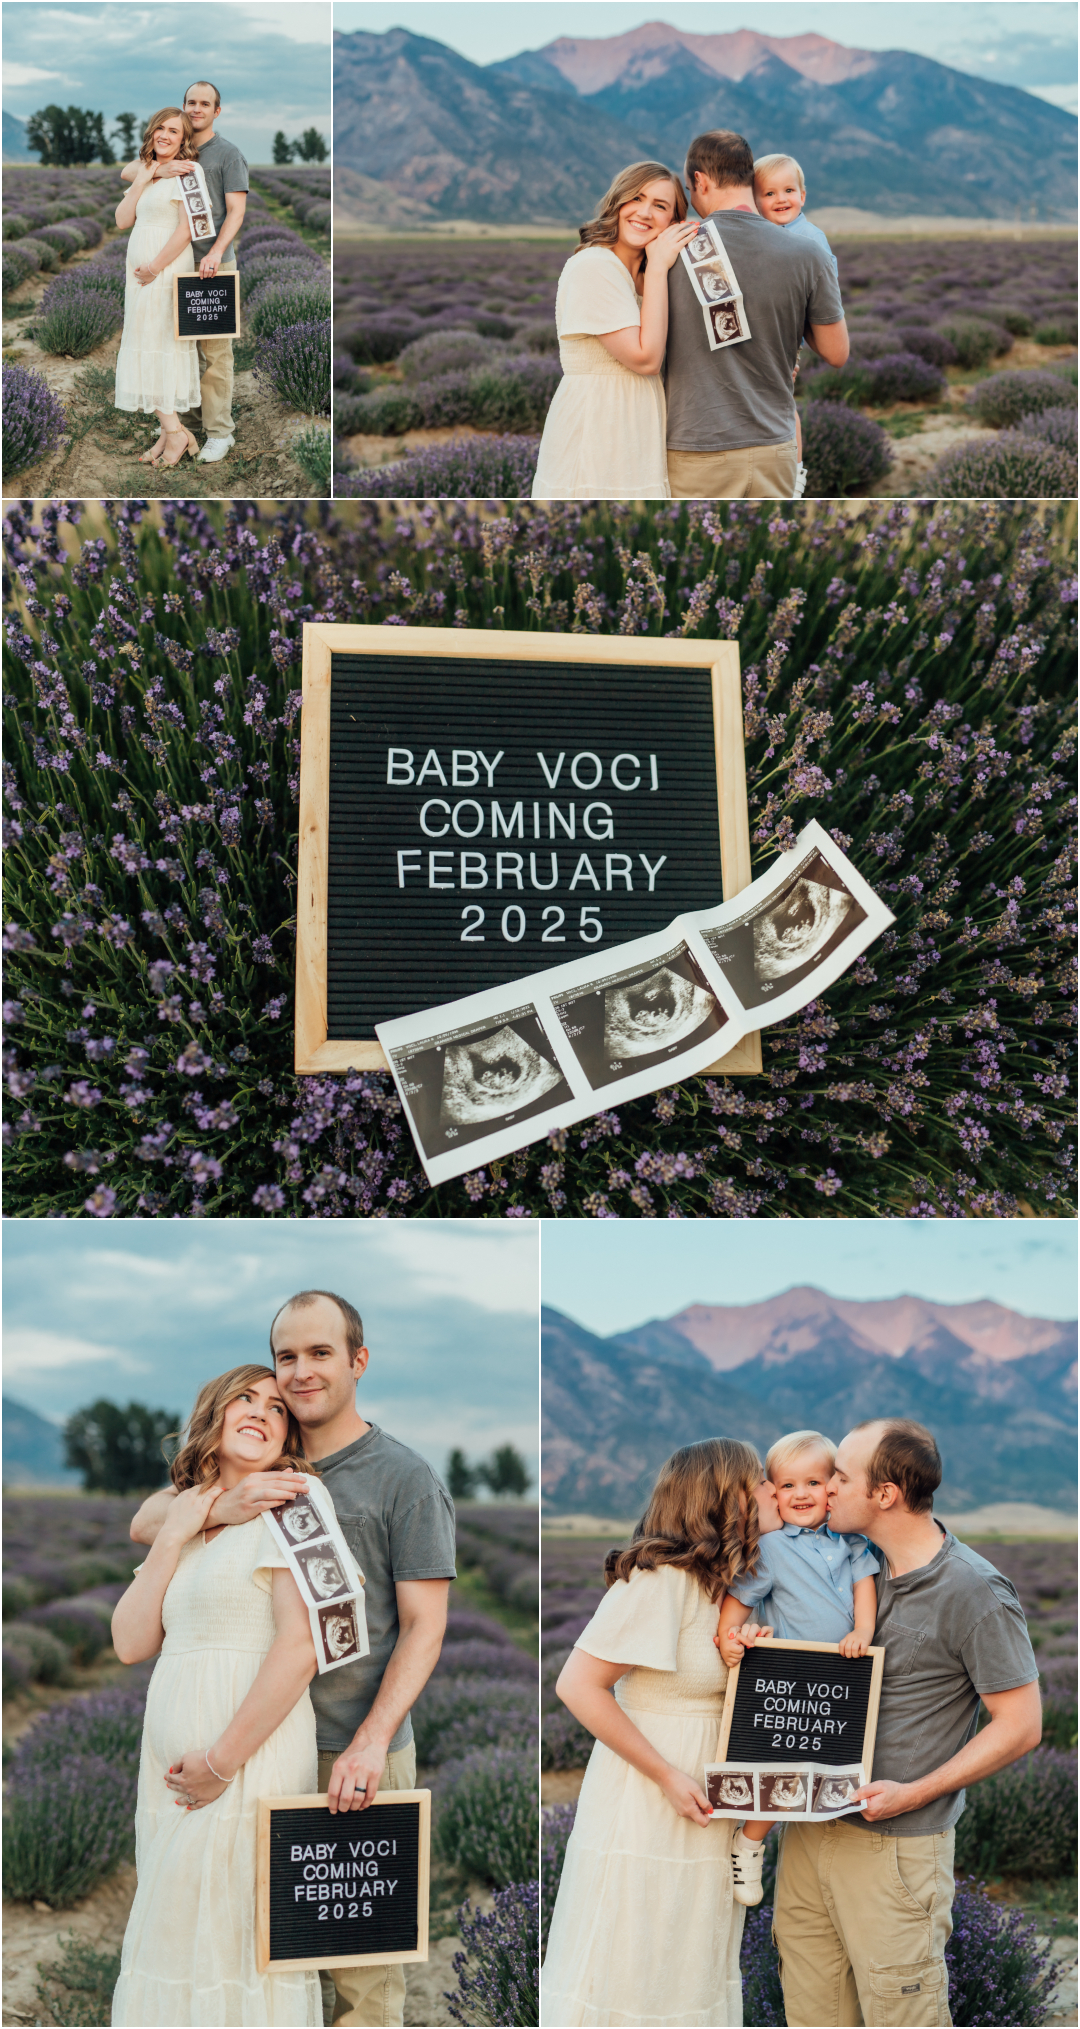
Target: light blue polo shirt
<point x="805" y="1582"/>
<point x="806" y="230"/>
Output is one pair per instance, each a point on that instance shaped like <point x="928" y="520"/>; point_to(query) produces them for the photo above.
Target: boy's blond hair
<point x="789" y="1447"/>
<point x="765" y="165"/>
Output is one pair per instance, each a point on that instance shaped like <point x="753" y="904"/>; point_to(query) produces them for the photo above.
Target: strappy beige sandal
<point x="191" y="445"/>
<point x="151" y="457"/>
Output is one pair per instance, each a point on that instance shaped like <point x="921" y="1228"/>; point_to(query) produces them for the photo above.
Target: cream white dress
<point x="605" y="436"/>
<point x="189" y="1949"/>
<point x="646" y="1930"/>
<point x="154" y="370"/>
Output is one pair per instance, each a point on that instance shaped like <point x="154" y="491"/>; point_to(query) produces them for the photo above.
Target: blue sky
<point x="610" y="1276"/>
<point x="1028" y="43"/>
<point x="270" y="60"/>
<point x="147" y="1312"/>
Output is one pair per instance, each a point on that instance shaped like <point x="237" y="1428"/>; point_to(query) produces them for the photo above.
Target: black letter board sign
<point x="207" y="309"/>
<point x="797" y="1733"/>
<point x="345" y="1888"/>
<point x="478" y="806"/>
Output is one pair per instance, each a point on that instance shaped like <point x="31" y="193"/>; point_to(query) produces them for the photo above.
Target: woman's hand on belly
<point x="193" y="1782"/>
<point x="687" y="1800"/>
<point x="145" y="274"/>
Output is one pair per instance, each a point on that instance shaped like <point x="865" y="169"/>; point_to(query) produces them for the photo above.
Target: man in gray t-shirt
<point x="731" y="413"/>
<point x="863" y="1905"/>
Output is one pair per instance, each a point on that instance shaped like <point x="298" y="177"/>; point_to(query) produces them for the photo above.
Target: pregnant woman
<point x="645" y="1929"/>
<point x="605" y="437"/>
<point x="228" y="1719"/>
<point x="156" y="372"/>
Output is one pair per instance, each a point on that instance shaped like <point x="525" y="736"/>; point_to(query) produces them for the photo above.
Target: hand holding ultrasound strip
<point x="481" y="1077"/>
<point x="331" y="1583"/>
<point x="748" y="1790"/>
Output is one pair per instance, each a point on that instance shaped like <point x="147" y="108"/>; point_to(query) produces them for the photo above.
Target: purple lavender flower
<point x="34" y="418"/>
<point x="498" y="1972"/>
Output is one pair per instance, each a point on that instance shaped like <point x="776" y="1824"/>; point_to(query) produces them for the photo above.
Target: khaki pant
<point x="764" y="472"/>
<point x="216" y="369"/>
<point x="861" y="1923"/>
<point x="370" y="1997"/>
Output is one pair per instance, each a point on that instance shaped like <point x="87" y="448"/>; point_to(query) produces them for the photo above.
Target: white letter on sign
<point x="395" y="765"/>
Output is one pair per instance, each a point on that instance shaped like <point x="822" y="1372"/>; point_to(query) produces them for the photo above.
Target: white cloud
<point x="16" y="75"/>
<point x="29" y="1351"/>
<point x="494" y="1267"/>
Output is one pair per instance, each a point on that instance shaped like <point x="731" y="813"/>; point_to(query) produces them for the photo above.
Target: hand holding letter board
<point x="474" y="807"/>
<point x="797" y="1734"/>
<point x="349" y="1888"/>
<point x="207" y="309"/>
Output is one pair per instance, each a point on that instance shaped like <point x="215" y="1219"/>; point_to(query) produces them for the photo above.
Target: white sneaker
<point x="800" y="482"/>
<point x="746" y="1860"/>
<point x="214" y="449"/>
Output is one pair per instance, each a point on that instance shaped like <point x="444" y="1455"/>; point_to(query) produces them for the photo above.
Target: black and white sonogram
<point x="340" y="1635"/>
<point x="782" y="1790"/>
<point x="701" y="247"/>
<point x="833" y="1792"/>
<point x="473" y="1081"/>
<point x="730" y="1789"/>
<point x="322" y="1570"/>
<point x="300" y="1519"/>
<point x="726" y="323"/>
<point x="715" y="283"/>
<point x="200" y="229"/>
<point x="189" y="180"/>
<point x="784" y="940"/>
<point x="632" y="1020"/>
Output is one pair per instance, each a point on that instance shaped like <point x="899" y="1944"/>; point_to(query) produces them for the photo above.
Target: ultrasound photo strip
<point x="716" y="287"/>
<point x="330" y="1581"/>
<point x="196" y="201"/>
<point x="484" y="1076"/>
<point x="805" y="1791"/>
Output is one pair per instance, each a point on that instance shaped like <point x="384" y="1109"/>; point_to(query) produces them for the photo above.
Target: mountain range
<point x="997" y="1389"/>
<point x="536" y="139"/>
<point x="33" y="1449"/>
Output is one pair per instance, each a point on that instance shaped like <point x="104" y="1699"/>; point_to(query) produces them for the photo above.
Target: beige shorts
<point x="763" y="472"/>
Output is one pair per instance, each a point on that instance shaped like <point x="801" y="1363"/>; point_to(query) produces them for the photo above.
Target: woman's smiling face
<point x="255" y="1428"/>
<point x="167" y="139"/>
<point x="648" y="213"/>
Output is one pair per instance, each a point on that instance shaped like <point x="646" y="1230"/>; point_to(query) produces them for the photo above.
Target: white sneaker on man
<point x="214" y="449"/>
<point x="746" y="1858"/>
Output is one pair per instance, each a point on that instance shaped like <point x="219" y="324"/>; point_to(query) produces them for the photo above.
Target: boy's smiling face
<point x="800" y="1489"/>
<point x="778" y="196"/>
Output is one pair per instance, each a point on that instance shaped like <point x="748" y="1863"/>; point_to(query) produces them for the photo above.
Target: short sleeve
<point x="234" y="172"/>
<point x="422" y="1539"/>
<point x="271" y="1558"/>
<point x="997" y="1654"/>
<point x="824" y="305"/>
<point x="638" y="1620"/>
<point x="864" y="1564"/>
<point x="595" y="295"/>
<point x="750" y="1590"/>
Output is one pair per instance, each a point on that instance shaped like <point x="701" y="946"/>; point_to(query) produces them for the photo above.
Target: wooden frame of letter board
<point x="192" y="337"/>
<point x="267" y="1805"/>
<point x="314" y="1055"/>
<point x="825" y="1649"/>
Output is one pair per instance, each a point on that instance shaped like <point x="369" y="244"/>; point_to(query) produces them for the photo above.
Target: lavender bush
<point x="275" y="305"/>
<point x="1008" y="397"/>
<point x="475" y="468"/>
<point x="456" y="1715"/>
<point x="908" y="672"/>
<point x="759" y="1965"/>
<point x="108" y="1724"/>
<point x="16" y="1669"/>
<point x="294" y="359"/>
<point x="485" y="1815"/>
<point x="469" y="1658"/>
<point x="47" y="1658"/>
<point x="1022" y="1820"/>
<point x="564" y="1741"/>
<point x="445" y="352"/>
<point x="1013" y="466"/>
<point x="68" y="1826"/>
<point x="75" y="1991"/>
<point x="313" y="452"/>
<point x="498" y="1971"/>
<point x="34" y="419"/>
<point x="841" y="449"/>
<point x="556" y="1825"/>
<point x="81" y="1623"/>
<point x="1055" y="425"/>
<point x="78" y="322"/>
<point x="976" y="340"/>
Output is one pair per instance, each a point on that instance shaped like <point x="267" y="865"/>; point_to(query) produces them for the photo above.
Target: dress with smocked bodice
<point x="646" y="1930"/>
<point x="605" y="436"/>
<point x="154" y="369"/>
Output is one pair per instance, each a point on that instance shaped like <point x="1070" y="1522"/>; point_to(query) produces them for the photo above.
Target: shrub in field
<point x="468" y="1627"/>
<point x="385" y="412"/>
<point x="485" y="1816"/>
<point x="498" y="1972"/>
<point x="76" y="323"/>
<point x="15" y="224"/>
<point x="456" y="1715"/>
<point x="850" y="384"/>
<point x="34" y="418"/>
<point x="18" y="1595"/>
<point x="999" y="1971"/>
<point x="1056" y="331"/>
<point x="77" y="1988"/>
<point x="444" y="352"/>
<point x="274" y="306"/>
<point x="1006" y="397"/>
<point x="904" y="377"/>
<point x="66" y="239"/>
<point x="759" y="1965"/>
<point x="313" y="452"/>
<point x="319" y="217"/>
<point x="82" y="1624"/>
<point x="930" y="641"/>
<point x="975" y="339"/>
<point x="69" y="1825"/>
<point x="99" y="278"/>
<point x="1015" y="320"/>
<point x="295" y="361"/>
<point x="468" y="1658"/>
<point x="16" y="1670"/>
<point x="89" y="232"/>
<point x="347" y="376"/>
<point x="933" y="346"/>
<point x="1022" y="1820"/>
<point x="514" y="395"/>
<point x="556" y="1825"/>
<point x="476" y="468"/>
<point x="47" y="1658"/>
<point x="109" y="1724"/>
<point x="1059" y="1720"/>
<point x="377" y="339"/>
<point x="841" y="449"/>
<point x="278" y="266"/>
<point x="1055" y="426"/>
<point x="39" y="251"/>
<point x="1014" y="466"/>
<point x="537" y="335"/>
<point x="19" y="263"/>
<point x="564" y="1741"/>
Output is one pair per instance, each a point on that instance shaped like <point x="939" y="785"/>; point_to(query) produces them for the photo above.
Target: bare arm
<point x="285" y="1673"/>
<point x="235" y="207"/>
<point x="586" y="1686"/>
<point x="147" y="271"/>
<point x="831" y="341"/>
<point x="1015" y="1728"/>
<point x="641" y="346"/>
<point x="858" y="1641"/>
<point x="253" y="1496"/>
<point x="137" y="1631"/>
<point x="131" y="169"/>
<point x="421" y="1605"/>
<point x="732" y="1615"/>
<point x="138" y="175"/>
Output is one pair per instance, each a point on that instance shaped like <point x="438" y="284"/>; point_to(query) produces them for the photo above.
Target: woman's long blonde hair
<point x="693" y="1519"/>
<point x="603" y="230"/>
<point x="187" y="151"/>
<point x="197" y="1460"/>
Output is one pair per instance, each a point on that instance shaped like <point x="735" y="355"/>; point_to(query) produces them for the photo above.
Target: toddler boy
<point x="780" y="194"/>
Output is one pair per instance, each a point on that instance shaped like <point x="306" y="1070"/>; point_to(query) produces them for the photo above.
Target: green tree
<point x="68" y="138"/>
<point x="505" y="1472"/>
<point x="119" y="1451"/>
<point x="311" y="147"/>
<point x="283" y="149"/>
<point x="127" y="127"/>
<point x="460" y="1476"/>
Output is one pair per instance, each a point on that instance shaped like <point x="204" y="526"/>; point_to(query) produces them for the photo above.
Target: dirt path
<point x="99" y="457"/>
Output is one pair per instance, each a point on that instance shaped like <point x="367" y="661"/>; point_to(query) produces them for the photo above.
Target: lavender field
<point x="437" y="341"/>
<point x="73" y="1772"/>
<point x="63" y="308"/>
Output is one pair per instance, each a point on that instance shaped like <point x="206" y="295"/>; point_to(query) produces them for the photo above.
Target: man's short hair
<point x="210" y="88"/>
<point x="726" y="159"/>
<point x="304" y="1298"/>
<point x="906" y="1457"/>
